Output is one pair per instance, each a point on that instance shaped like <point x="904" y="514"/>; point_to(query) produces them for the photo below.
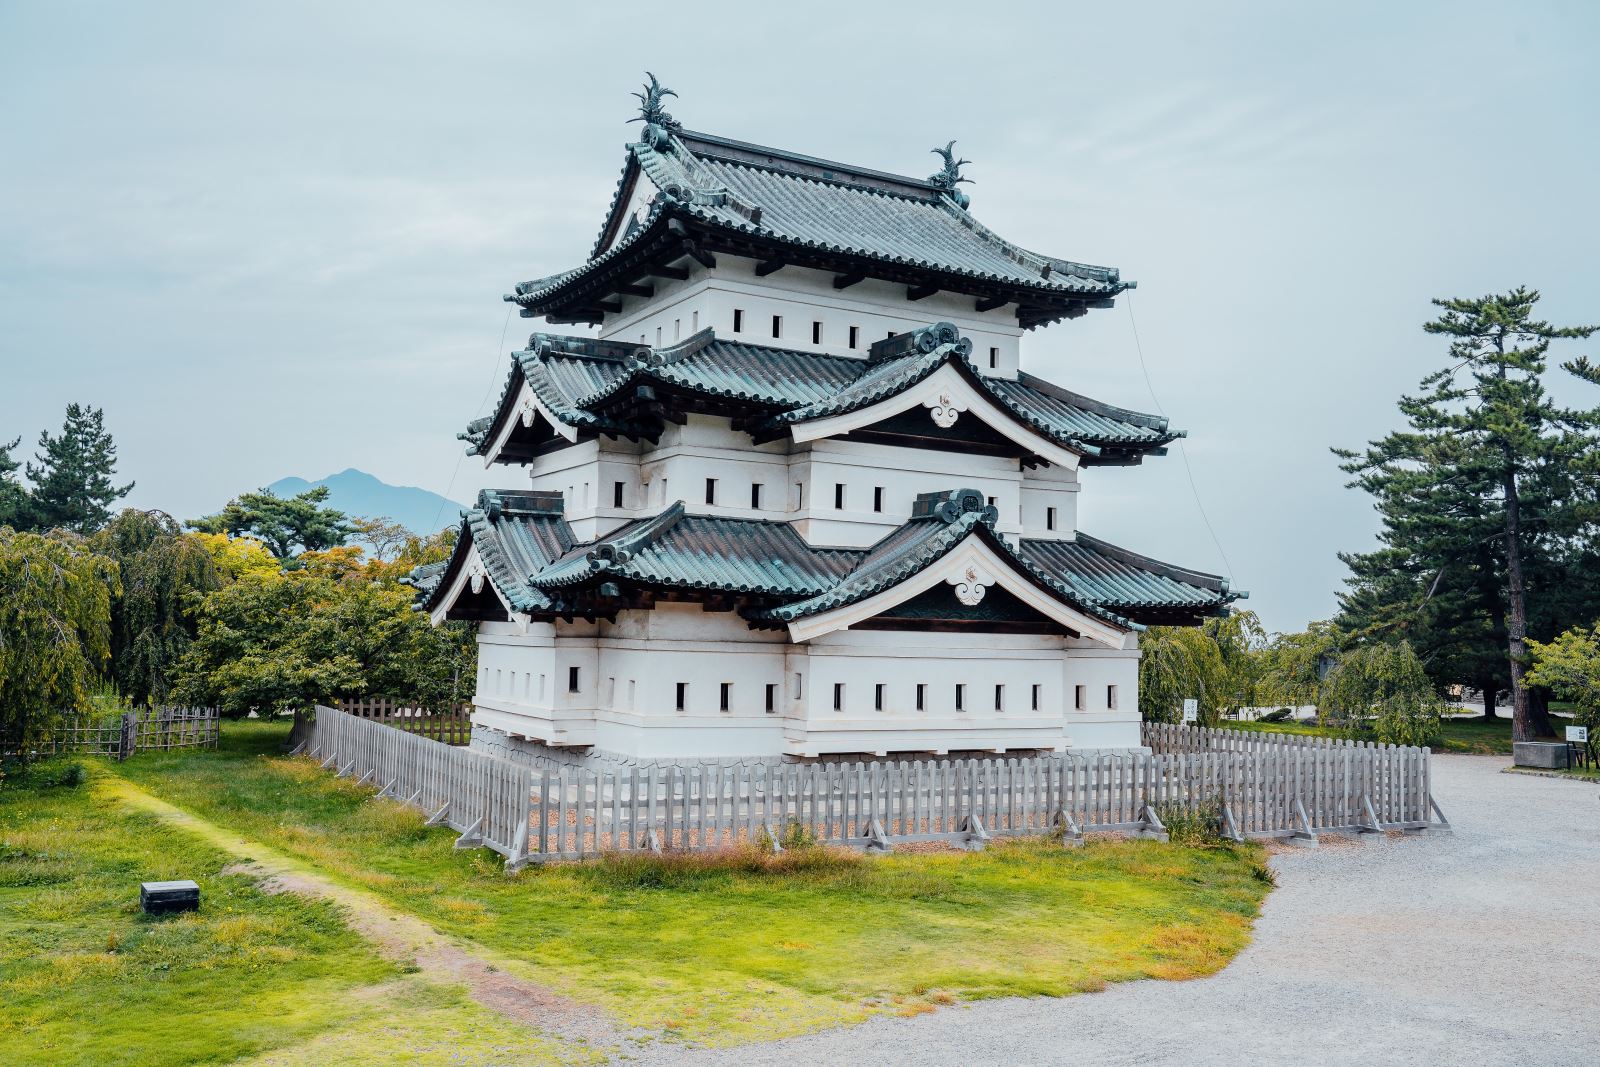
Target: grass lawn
<point x="1461" y="733"/>
<point x="86" y="979"/>
<point x="685" y="952"/>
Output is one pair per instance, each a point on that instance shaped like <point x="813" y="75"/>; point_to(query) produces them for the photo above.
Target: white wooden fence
<point x="484" y="799"/>
<point x="1274" y="789"/>
<point x="452" y="725"/>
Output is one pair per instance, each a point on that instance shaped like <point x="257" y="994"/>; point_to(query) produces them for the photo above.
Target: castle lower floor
<point x="682" y="684"/>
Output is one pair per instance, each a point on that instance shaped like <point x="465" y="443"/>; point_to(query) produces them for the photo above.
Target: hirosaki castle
<point x="792" y="496"/>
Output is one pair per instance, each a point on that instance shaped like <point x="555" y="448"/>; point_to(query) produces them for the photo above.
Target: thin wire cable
<point x="499" y="352"/>
<point x="1183" y="452"/>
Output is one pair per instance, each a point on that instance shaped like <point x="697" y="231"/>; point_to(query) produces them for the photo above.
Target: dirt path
<point x="397" y="935"/>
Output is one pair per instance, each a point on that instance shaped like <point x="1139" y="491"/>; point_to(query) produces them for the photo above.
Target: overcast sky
<point x="272" y="241"/>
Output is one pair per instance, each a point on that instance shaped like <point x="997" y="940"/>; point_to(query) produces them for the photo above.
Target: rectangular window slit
<point x="1111" y="697"/>
<point x="617" y="489"/>
<point x="816" y="333"/>
<point x="838" y="496"/>
<point x="725" y="698"/>
<point x="738" y="320"/>
<point x="999" y="698"/>
<point x="877" y="696"/>
<point x="777" y="325"/>
<point x="572" y="680"/>
<point x="1038" y="695"/>
<point x="922" y="696"/>
<point x="683" y="696"/>
<point x="1080" y="696"/>
<point x="961" y="696"/>
<point x="711" y="490"/>
<point x="877" y="498"/>
<point x="1049" y="518"/>
<point x="855" y="336"/>
<point x="838" y="696"/>
<point x="755" y="496"/>
<point x="772" y="698"/>
<point x="994" y="358"/>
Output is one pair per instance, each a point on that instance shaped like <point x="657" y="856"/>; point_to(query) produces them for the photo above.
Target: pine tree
<point x="1490" y="480"/>
<point x="283" y="524"/>
<point x="16" y="507"/>
<point x="72" y="482"/>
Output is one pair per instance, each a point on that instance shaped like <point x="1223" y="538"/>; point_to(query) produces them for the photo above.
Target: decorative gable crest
<point x="949" y="176"/>
<point x="659" y="125"/>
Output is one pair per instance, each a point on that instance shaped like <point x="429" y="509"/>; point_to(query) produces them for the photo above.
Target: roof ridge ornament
<point x="949" y="176"/>
<point x="659" y="125"/>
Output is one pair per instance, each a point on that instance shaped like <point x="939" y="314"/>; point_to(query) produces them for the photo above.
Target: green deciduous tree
<point x="286" y="525"/>
<point x="1489" y="477"/>
<point x="1382" y="690"/>
<point x="1216" y="664"/>
<point x="283" y="642"/>
<point x="55" y="630"/>
<point x="1570" y="667"/>
<point x="73" y="484"/>
<point x="165" y="573"/>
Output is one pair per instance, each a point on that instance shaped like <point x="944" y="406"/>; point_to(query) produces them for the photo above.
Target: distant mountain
<point x="358" y="493"/>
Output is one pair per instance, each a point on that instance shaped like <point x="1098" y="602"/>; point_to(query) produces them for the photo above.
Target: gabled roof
<point x="595" y="387"/>
<point x="769" y="571"/>
<point x="726" y="195"/>
<point x="515" y="534"/>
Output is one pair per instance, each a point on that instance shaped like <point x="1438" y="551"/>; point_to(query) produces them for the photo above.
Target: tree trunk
<point x="300" y="732"/>
<point x="1539" y="713"/>
<point x="1522" y="728"/>
<point x="1487" y="688"/>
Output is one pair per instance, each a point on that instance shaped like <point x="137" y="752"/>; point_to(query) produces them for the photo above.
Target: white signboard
<point x="1580" y="734"/>
<point x="1191" y="710"/>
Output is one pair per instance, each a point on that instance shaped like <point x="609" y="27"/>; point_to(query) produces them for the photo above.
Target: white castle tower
<point x="797" y="498"/>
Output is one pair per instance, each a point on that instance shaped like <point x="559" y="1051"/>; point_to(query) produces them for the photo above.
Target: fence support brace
<point x="1302" y="834"/>
<point x="877" y="840"/>
<point x="1071" y="832"/>
<point x="976" y="836"/>
<point x="1443" y="825"/>
<point x="472" y="837"/>
<point x="1150" y="825"/>
<point x="1230" y="825"/>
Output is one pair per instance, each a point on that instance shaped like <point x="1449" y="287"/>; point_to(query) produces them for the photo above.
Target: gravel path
<point x="1395" y="951"/>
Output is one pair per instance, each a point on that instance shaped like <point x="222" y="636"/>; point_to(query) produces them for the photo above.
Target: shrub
<point x="1382" y="691"/>
<point x="1200" y="825"/>
<point x="1281" y="715"/>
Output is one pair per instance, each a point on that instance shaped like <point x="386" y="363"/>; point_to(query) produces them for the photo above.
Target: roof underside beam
<point x="769" y="266"/>
<point x="921" y="292"/>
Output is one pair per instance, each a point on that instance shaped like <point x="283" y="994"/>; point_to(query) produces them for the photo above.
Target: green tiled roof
<point x="532" y="560"/>
<point x="583" y="382"/>
<point x="1125" y="580"/>
<point x="680" y="551"/>
<point x="782" y="199"/>
<point x="516" y="534"/>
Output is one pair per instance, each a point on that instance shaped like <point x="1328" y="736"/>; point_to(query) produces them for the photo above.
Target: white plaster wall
<point x="1042" y="489"/>
<point x="801" y="297"/>
<point x="626" y="698"/>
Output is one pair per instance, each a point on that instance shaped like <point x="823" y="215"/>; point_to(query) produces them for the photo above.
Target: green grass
<point x="85" y="978"/>
<point x="716" y="953"/>
<point x="1460" y="733"/>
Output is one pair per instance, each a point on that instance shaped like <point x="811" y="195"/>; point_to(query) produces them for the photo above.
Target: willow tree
<point x="1487" y="468"/>
<point x="55" y="630"/>
<point x="165" y="572"/>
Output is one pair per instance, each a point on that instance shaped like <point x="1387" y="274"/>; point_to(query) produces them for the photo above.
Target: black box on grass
<point x="159" y="898"/>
